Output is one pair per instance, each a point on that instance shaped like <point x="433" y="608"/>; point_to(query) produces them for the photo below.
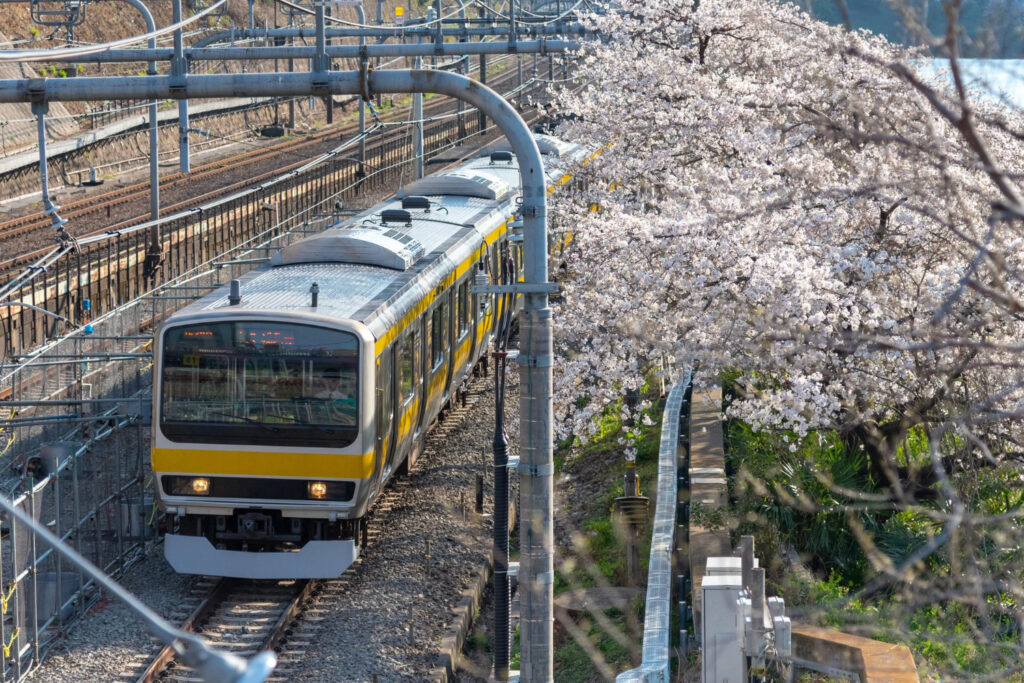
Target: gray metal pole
<point x="320" y="59"/>
<point x="291" y="69"/>
<point x="380" y="22"/>
<point x="362" y="104"/>
<point x="329" y="100"/>
<point x="417" y="126"/>
<point x="463" y="66"/>
<point x="39" y="108"/>
<point x="483" y="76"/>
<point x="179" y="67"/>
<point x="513" y="37"/>
<point x="153" y="255"/>
<point x="536" y="468"/>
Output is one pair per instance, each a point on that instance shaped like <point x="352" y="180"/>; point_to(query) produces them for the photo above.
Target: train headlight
<point x="317" y="490"/>
<point x="178" y="485"/>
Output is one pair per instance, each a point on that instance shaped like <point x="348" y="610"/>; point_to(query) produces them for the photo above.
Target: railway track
<point x="247" y="617"/>
<point x="92" y="215"/>
<point x="240" y="617"/>
<point x="139" y="192"/>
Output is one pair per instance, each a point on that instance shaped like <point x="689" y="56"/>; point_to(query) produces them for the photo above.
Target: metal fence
<point x="74" y="426"/>
<point x="74" y="447"/>
<point x="656" y="663"/>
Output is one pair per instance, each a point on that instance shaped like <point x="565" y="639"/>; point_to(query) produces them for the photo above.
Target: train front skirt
<point x="315" y="560"/>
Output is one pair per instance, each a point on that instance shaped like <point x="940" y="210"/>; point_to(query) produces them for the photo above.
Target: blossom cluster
<point x="786" y="200"/>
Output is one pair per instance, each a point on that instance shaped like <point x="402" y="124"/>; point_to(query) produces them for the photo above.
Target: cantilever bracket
<point x="517" y="288"/>
<point x="365" y="69"/>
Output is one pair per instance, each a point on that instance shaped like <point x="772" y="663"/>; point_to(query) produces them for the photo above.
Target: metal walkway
<point x="656" y="664"/>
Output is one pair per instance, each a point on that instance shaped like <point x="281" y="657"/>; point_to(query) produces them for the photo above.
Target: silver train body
<point x="281" y="413"/>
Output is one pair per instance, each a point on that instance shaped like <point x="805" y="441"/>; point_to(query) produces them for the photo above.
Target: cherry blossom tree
<point x="786" y="198"/>
<point x="794" y="203"/>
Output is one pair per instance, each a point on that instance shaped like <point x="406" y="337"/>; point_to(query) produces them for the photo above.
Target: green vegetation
<point x="814" y="495"/>
<point x="478" y="641"/>
<point x="516" y="650"/>
<point x="573" y="662"/>
<point x="600" y="556"/>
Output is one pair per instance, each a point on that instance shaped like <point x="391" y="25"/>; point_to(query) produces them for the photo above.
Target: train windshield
<point x="260" y="382"/>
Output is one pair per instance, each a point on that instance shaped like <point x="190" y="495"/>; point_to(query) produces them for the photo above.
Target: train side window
<point x="462" y="306"/>
<point x="484" y="301"/>
<point x="438" y="329"/>
<point x="406" y="369"/>
<point x="417" y="359"/>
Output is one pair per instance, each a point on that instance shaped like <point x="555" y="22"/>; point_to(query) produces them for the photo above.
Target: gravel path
<point x="112" y="640"/>
<point x="359" y="624"/>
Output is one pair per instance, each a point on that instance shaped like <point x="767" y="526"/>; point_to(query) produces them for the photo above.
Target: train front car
<point x="283" y="408"/>
<point x="263" y="446"/>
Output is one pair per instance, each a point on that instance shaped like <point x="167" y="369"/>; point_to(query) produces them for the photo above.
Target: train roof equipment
<point x="390" y="263"/>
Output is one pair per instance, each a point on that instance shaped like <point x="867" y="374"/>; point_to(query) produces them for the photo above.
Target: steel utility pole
<point x="179" y="67"/>
<point x="536" y="469"/>
<point x="154" y="253"/>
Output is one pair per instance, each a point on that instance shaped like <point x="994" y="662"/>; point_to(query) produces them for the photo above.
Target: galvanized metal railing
<point x="656" y="663"/>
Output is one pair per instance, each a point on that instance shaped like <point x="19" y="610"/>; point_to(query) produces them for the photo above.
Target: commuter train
<point x="284" y="402"/>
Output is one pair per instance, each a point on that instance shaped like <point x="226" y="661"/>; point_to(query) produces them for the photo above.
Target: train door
<point x="453" y="343"/>
<point x="385" y="414"/>
<point x="482" y="309"/>
<point x="463" y="325"/>
<point x="495" y="280"/>
<point x="437" y="361"/>
<point x="407" y="380"/>
<point x="422" y="361"/>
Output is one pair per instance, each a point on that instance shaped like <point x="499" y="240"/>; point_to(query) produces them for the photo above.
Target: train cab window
<point x="407" y="368"/>
<point x="259" y="382"/>
<point x="462" y="307"/>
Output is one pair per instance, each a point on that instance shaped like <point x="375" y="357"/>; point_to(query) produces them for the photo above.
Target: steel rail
<point x="198" y="616"/>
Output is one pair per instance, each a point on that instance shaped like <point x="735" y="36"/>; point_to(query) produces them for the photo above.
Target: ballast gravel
<point x="385" y="617"/>
<point x="366" y="629"/>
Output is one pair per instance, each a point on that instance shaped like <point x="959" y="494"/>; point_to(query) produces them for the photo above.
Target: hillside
<point x="991" y="28"/>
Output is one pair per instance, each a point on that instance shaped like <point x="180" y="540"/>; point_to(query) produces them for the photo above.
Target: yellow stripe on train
<point x="264" y="464"/>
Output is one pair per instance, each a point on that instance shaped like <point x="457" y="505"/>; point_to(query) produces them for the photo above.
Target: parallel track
<point x="247" y="617"/>
<point x="99" y="208"/>
<point x="241" y="617"/>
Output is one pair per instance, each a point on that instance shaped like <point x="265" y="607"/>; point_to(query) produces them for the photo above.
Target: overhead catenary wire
<point x="50" y="258"/>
